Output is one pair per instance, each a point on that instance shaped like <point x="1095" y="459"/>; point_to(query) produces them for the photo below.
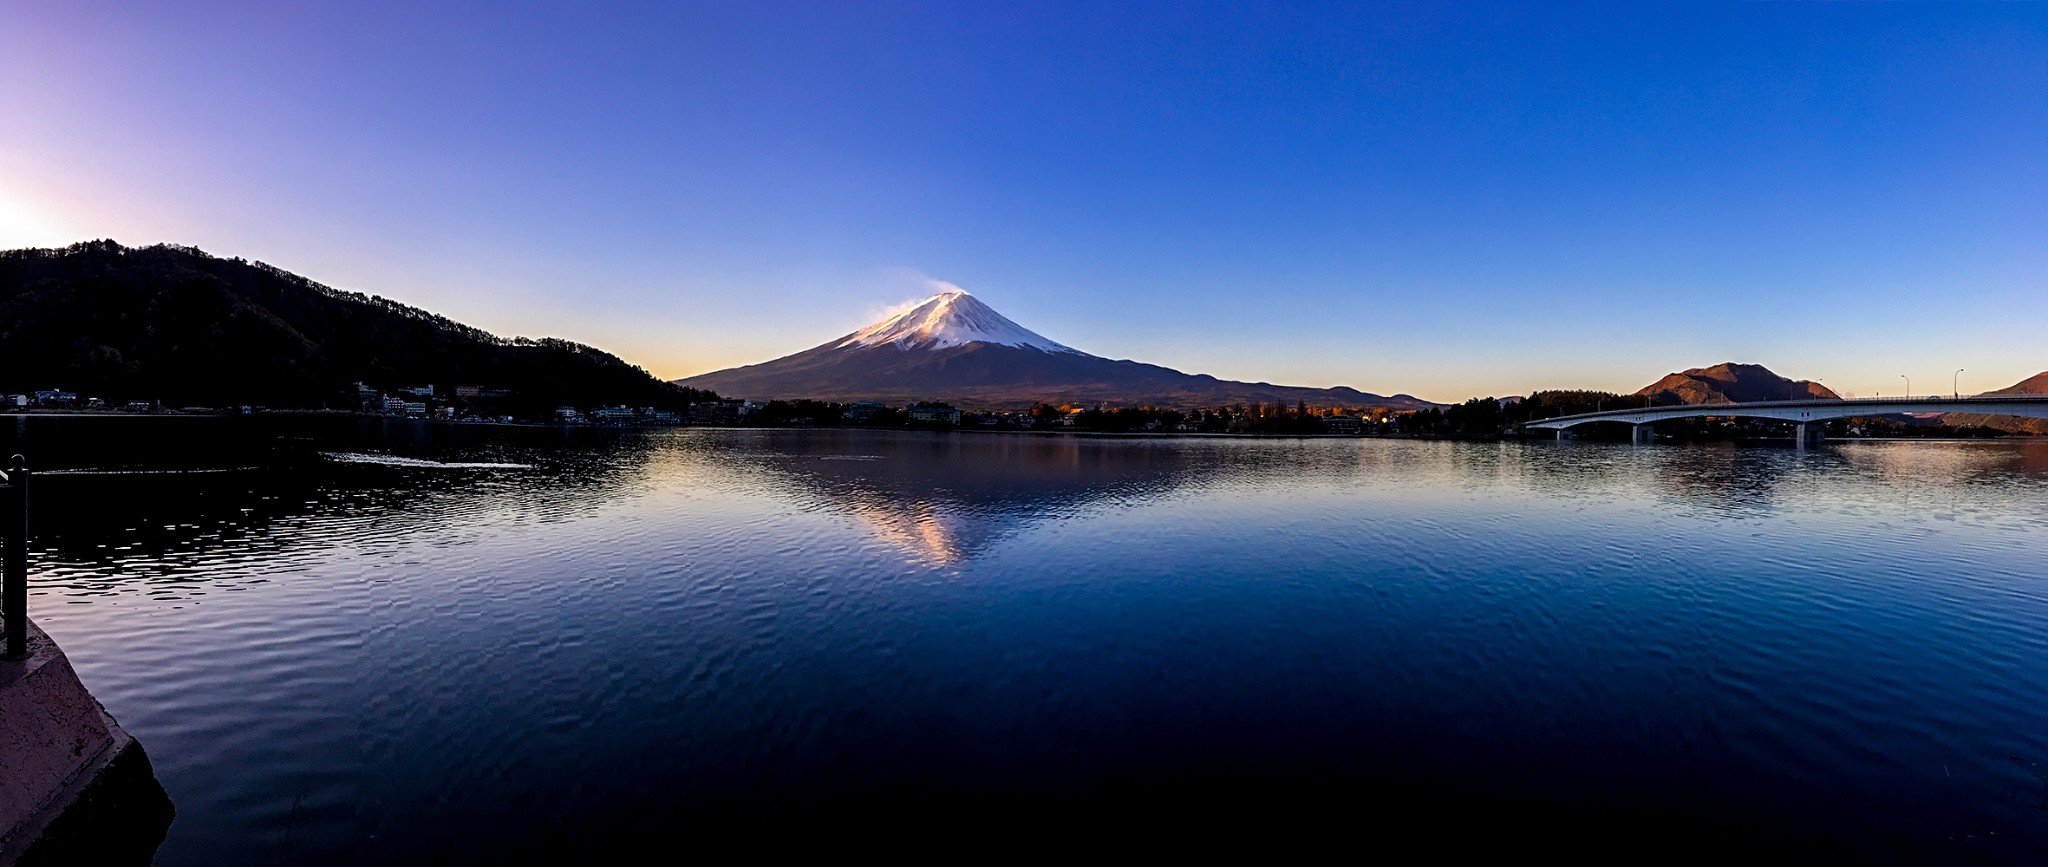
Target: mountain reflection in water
<point x="943" y="499"/>
<point x="515" y="642"/>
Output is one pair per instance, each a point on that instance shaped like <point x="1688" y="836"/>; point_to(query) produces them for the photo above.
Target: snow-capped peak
<point x="948" y="319"/>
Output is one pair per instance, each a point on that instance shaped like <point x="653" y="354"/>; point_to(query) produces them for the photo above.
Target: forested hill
<point x="176" y="325"/>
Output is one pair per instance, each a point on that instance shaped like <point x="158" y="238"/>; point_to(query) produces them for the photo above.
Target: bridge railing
<point x="1811" y="401"/>
<point x="1918" y="398"/>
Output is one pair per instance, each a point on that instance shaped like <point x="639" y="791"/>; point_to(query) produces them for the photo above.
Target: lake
<point x="361" y="641"/>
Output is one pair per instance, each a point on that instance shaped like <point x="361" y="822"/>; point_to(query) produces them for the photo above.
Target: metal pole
<point x="1909" y="384"/>
<point x="1954" y="384"/>
<point x="14" y="560"/>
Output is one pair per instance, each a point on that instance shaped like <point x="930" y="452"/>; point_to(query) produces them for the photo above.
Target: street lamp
<point x="1909" y="384"/>
<point x="1956" y="390"/>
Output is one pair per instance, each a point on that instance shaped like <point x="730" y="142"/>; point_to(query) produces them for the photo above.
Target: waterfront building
<point x="401" y="407"/>
<point x="933" y="414"/>
<point x="718" y="412"/>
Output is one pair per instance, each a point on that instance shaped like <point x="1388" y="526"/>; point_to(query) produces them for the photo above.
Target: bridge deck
<point x="2026" y="405"/>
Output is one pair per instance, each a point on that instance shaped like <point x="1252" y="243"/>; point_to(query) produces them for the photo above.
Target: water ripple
<point x="377" y="646"/>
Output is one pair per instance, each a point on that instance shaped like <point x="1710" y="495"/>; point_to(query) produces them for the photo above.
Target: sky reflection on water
<point x="340" y="661"/>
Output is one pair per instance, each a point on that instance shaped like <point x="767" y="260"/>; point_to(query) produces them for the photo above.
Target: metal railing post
<point x="14" y="560"/>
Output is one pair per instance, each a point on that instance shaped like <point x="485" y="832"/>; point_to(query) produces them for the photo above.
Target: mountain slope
<point x="1729" y="382"/>
<point x="953" y="347"/>
<point x="177" y="325"/>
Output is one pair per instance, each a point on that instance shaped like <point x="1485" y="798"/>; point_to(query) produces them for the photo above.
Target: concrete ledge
<point x="74" y="787"/>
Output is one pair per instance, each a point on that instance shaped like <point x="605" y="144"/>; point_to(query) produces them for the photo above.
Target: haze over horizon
<point x="1446" y="201"/>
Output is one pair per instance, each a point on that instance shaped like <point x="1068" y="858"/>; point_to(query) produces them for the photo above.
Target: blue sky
<point x="1450" y="200"/>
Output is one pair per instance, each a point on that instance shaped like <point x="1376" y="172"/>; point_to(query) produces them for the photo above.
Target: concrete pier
<point x="1642" y="434"/>
<point x="74" y="787"/>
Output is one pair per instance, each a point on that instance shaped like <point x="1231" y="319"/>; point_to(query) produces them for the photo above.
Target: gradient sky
<point x="1449" y="200"/>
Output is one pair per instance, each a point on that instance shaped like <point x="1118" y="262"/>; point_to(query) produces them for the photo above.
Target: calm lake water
<point x="354" y="641"/>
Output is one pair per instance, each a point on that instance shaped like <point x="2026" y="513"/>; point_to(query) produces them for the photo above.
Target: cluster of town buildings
<point x="422" y="401"/>
<point x="60" y="399"/>
<point x="617" y="415"/>
<point x="472" y="403"/>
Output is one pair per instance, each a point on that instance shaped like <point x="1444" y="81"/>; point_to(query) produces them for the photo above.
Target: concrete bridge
<point x="1805" y="413"/>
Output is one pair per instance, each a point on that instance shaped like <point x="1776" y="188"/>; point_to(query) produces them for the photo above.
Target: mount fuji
<point x="953" y="347"/>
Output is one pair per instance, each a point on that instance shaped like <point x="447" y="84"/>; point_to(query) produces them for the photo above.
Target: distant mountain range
<point x="176" y="325"/>
<point x="952" y="347"/>
<point x="1729" y="382"/>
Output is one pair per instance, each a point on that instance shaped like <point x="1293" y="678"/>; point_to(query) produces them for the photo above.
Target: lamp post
<point x="1909" y="384"/>
<point x="1955" y="390"/>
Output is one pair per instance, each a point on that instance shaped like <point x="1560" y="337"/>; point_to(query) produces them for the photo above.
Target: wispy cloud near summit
<point x="925" y="285"/>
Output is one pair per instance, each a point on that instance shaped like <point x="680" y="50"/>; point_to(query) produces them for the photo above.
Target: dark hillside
<point x="176" y="325"/>
<point x="1729" y="382"/>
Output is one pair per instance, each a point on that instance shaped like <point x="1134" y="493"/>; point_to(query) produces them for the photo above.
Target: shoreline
<point x="340" y="413"/>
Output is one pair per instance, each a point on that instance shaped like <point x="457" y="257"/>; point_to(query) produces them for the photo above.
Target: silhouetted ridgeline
<point x="176" y="325"/>
<point x="1730" y="382"/>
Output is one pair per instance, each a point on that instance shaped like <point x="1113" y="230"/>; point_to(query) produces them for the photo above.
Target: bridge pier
<point x="1565" y="434"/>
<point x="1642" y="434"/>
<point x="1811" y="435"/>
